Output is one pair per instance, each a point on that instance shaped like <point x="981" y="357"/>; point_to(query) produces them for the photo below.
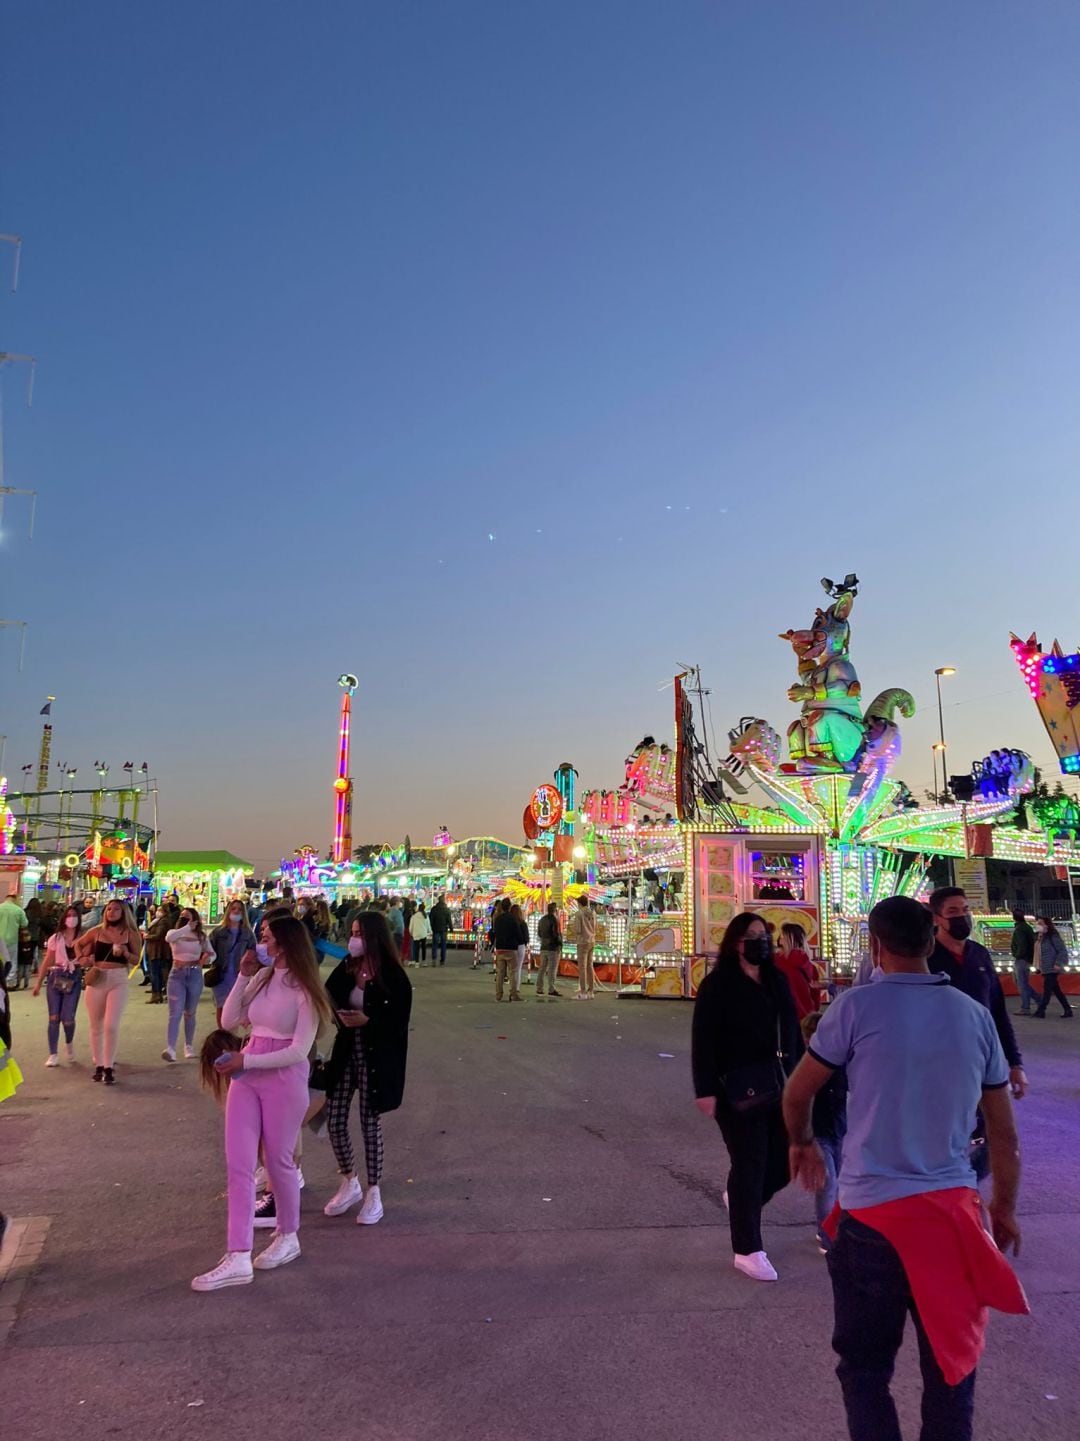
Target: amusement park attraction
<point x="65" y="837"/>
<point x="838" y="831"/>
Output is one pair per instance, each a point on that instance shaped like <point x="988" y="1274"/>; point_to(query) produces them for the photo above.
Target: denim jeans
<point x="1028" y="993"/>
<point x="62" y="1008"/>
<point x="825" y="1199"/>
<point x="438" y="948"/>
<point x="872" y="1301"/>
<point x="1051" y="986"/>
<point x="159" y="969"/>
<point x="184" y="989"/>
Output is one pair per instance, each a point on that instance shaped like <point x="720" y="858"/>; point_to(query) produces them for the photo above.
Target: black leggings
<point x="353" y="1080"/>
<point x="758" y="1146"/>
<point x="1051" y="986"/>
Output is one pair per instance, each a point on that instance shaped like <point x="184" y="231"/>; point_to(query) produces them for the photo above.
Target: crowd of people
<point x="890" y="1103"/>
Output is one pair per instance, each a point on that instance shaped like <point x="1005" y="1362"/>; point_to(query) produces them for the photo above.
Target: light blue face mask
<point x="263" y="954"/>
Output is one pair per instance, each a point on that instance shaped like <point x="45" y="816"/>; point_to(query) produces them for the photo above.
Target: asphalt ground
<point x="554" y="1260"/>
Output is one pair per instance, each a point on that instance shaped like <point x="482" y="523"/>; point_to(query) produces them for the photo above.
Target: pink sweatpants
<point x="266" y="1106"/>
<point x="105" y="1004"/>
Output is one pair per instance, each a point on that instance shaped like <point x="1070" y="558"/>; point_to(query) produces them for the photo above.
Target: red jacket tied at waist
<point x="953" y="1268"/>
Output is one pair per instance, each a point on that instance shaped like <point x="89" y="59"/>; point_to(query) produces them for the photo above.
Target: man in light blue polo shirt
<point x="921" y="1056"/>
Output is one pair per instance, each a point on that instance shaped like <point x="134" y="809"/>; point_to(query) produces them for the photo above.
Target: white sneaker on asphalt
<point x="168" y="1054"/>
<point x="70" y="1052"/>
<point x="372" y="1209"/>
<point x="189" y="1053"/>
<point x="757" y="1266"/>
<point x="234" y="1269"/>
<point x="281" y="1250"/>
<point x="345" y="1197"/>
<point x="53" y="1060"/>
<point x="262" y="1180"/>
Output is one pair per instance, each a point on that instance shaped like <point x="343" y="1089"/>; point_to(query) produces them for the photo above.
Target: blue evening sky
<point x="509" y="355"/>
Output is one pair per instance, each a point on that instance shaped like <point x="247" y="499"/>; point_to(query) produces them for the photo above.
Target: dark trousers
<point x="872" y="1302"/>
<point x="159" y="970"/>
<point x="419" y="952"/>
<point x="438" y="947"/>
<point x="1051" y="986"/>
<point x="758" y="1146"/>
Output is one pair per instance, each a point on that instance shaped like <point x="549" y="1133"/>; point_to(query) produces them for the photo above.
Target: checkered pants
<point x="354" y="1080"/>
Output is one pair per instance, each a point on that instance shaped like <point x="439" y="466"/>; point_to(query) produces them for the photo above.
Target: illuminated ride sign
<point x="546" y="807"/>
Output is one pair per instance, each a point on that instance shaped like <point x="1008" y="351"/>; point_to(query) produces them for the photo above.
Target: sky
<point x="511" y="356"/>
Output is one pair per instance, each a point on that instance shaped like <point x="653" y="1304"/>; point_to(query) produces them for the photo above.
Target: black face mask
<point x="756" y="950"/>
<point x="959" y="927"/>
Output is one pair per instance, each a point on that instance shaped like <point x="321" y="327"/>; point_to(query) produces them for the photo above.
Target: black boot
<point x="99" y="1071"/>
<point x="109" y="1078"/>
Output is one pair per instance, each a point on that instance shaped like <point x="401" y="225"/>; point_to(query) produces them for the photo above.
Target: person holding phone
<point x="190" y="949"/>
<point x="107" y="952"/>
<point x="279" y="995"/>
<point x="62" y="978"/>
<point x="372" y="1001"/>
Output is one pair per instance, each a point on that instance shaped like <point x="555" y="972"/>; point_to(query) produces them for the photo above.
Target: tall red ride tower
<point x="342" y="847"/>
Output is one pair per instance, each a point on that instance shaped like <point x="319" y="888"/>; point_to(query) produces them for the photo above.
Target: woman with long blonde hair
<point x="107" y="952"/>
<point x="279" y="995"/>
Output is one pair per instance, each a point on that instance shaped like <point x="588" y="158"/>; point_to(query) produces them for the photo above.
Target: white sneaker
<point x="757" y="1266"/>
<point x="300" y="1177"/>
<point x="581" y="995"/>
<point x="372" y="1209"/>
<point x="189" y="1053"/>
<point x="281" y="1250"/>
<point x="234" y="1269"/>
<point x="53" y="1060"/>
<point x="262" y="1180"/>
<point x="70" y="1050"/>
<point x="345" y="1197"/>
<point x="168" y="1054"/>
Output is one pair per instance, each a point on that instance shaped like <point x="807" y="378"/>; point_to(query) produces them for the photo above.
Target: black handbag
<point x="753" y="1087"/>
<point x="214" y="974"/>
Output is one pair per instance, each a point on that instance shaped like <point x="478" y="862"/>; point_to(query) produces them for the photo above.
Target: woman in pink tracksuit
<point x="280" y="996"/>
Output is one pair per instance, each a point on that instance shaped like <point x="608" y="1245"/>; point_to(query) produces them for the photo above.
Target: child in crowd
<point x="830" y="1127"/>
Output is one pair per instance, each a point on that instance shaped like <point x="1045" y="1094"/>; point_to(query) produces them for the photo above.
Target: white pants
<point x="105" y="1004"/>
<point x="519" y="966"/>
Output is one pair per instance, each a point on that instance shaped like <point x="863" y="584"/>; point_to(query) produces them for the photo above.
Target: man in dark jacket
<point x="970" y="969"/>
<point x="506" y="945"/>
<point x="550" y="938"/>
<point x="440" y="921"/>
<point x="1022" y="948"/>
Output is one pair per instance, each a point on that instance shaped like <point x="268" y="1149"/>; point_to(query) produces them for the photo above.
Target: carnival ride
<point x="341" y="850"/>
<point x="838" y="831"/>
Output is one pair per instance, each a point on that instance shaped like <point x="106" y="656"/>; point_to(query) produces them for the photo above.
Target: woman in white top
<point x="279" y="994"/>
<point x="190" y="950"/>
<point x="420" y="931"/>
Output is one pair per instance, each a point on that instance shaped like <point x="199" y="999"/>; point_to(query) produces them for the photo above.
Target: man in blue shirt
<point x="921" y="1056"/>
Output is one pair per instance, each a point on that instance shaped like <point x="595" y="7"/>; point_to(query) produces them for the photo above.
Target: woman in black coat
<point x="744" y="1016"/>
<point x="372" y="1001"/>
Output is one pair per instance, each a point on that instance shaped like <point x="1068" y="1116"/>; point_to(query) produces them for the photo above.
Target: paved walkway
<point x="553" y="1263"/>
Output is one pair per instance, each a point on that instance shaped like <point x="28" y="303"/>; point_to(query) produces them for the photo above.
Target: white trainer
<point x="234" y="1269"/>
<point x="168" y="1054"/>
<point x="281" y="1250"/>
<point x="189" y="1053"/>
<point x="757" y="1266"/>
<point x="371" y="1211"/>
<point x="262" y="1180"/>
<point x="53" y="1060"/>
<point x="70" y="1049"/>
<point x="345" y="1197"/>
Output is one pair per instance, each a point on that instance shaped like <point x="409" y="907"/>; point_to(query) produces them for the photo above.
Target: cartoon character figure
<point x="832" y="734"/>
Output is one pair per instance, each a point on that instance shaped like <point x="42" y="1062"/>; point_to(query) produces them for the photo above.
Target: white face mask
<point x="356" y="945"/>
<point x="262" y="952"/>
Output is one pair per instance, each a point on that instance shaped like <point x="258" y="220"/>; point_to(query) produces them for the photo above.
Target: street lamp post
<point x="942" y="670"/>
<point x="939" y="795"/>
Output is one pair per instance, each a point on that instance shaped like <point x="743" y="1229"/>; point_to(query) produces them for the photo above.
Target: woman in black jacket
<point x="372" y="1001"/>
<point x="744" y="1015"/>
